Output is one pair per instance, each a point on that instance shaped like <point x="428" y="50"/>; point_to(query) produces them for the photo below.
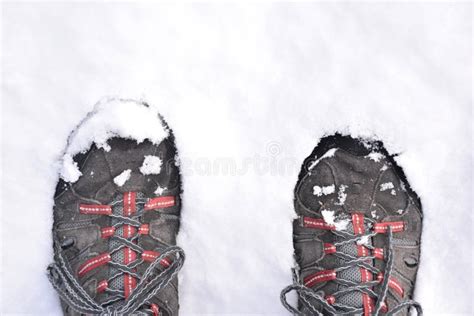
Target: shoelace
<point x="327" y="303"/>
<point x="150" y="283"/>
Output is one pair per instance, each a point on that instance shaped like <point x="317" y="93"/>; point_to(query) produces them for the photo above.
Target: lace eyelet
<point x="411" y="261"/>
<point x="67" y="243"/>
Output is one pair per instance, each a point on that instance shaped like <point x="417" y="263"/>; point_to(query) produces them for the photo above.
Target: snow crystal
<point x="122" y="178"/>
<point x="325" y="190"/>
<point x="374" y="214"/>
<point x="117" y="118"/>
<point x="159" y="190"/>
<point x="330" y="219"/>
<point x="106" y="147"/>
<point x="364" y="240"/>
<point x="402" y="186"/>
<point x="341" y="194"/>
<point x="70" y="171"/>
<point x="341" y="224"/>
<point x="151" y="165"/>
<point x="375" y="156"/>
<point x="328" y="216"/>
<point x="386" y="186"/>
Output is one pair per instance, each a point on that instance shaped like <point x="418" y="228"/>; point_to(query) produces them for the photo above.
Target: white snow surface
<point x="248" y="90"/>
<point x="123" y="177"/>
<point x="151" y="165"/>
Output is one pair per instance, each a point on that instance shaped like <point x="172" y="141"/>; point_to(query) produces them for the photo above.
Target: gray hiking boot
<point x="115" y="229"/>
<point x="357" y="235"/>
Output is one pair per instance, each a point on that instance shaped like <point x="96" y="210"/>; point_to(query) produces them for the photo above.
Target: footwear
<point x="116" y="215"/>
<point x="357" y="235"/>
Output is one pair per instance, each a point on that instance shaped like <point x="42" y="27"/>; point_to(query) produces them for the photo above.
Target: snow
<point x="151" y="165"/>
<point x="325" y="190"/>
<point x="341" y="195"/>
<point x="327" y="154"/>
<point x="386" y="186"/>
<point x="251" y="87"/>
<point x="364" y="240"/>
<point x="123" y="177"/>
<point x="375" y="156"/>
<point x="107" y="120"/>
<point x="329" y="218"/>
<point x="159" y="190"/>
<point x="69" y="170"/>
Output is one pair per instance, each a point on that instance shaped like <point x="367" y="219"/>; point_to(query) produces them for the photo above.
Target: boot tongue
<point x="118" y="256"/>
<point x="353" y="274"/>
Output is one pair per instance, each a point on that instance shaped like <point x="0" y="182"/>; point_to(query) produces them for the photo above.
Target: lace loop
<point x="76" y="297"/>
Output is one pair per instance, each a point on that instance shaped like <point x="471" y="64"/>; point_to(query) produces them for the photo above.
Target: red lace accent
<point x="160" y="202"/>
<point x="152" y="255"/>
<point x="318" y="223"/>
<point x="93" y="263"/>
<point x="155" y="309"/>
<point x="318" y="277"/>
<point x="95" y="209"/>
<point x="102" y="286"/>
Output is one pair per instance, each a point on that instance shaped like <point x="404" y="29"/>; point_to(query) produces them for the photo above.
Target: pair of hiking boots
<point x="117" y="214"/>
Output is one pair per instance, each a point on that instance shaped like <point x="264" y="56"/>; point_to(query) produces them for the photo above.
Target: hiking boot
<point x="117" y="214"/>
<point x="357" y="234"/>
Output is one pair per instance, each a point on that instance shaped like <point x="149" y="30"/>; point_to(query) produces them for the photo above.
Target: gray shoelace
<point x="149" y="285"/>
<point x="309" y="297"/>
